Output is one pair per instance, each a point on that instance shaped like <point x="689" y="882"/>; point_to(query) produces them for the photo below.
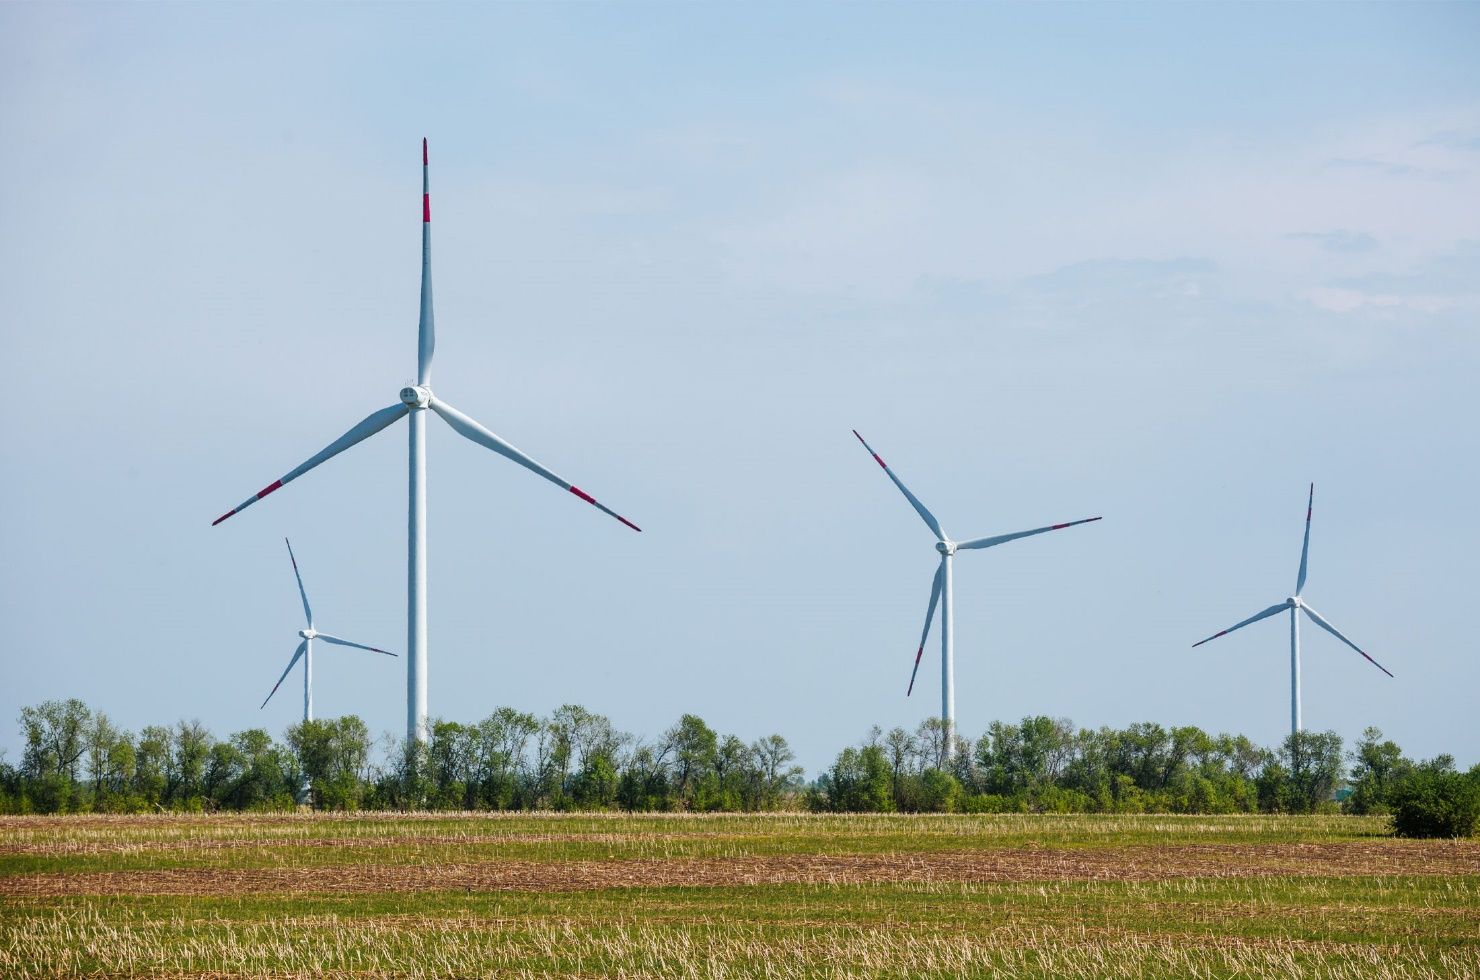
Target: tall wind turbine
<point x="305" y="649"/>
<point x="1295" y="605"/>
<point x="942" y="592"/>
<point x="414" y="401"/>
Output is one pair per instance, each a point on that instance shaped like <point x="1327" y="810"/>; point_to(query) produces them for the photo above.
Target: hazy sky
<point x="1167" y="264"/>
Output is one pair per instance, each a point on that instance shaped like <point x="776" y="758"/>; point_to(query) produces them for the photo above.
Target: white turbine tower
<point x="414" y="400"/>
<point x="305" y="649"/>
<point x="942" y="591"/>
<point x="1295" y="605"/>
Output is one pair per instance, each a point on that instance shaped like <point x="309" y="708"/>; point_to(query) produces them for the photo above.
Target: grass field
<point x="732" y="896"/>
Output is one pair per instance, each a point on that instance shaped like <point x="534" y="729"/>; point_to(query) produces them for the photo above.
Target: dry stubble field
<point x="784" y="895"/>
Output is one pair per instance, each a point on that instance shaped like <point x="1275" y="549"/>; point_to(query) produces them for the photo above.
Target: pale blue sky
<point x="1167" y="264"/>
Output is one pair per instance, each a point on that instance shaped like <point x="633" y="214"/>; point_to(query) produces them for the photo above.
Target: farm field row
<point x="107" y="843"/>
<point x="773" y="895"/>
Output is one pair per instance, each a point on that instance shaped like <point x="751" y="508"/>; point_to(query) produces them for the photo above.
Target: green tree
<point x="1024" y="758"/>
<point x="224" y="767"/>
<point x="55" y="740"/>
<point x="152" y="766"/>
<point x="450" y="758"/>
<point x="694" y="748"/>
<point x="110" y="762"/>
<point x="190" y="750"/>
<point x="645" y="784"/>
<point x="332" y="755"/>
<point x="1432" y="800"/>
<point x="251" y="773"/>
<point x="1313" y="760"/>
<point x="1377" y="766"/>
<point x="940" y="791"/>
<point x="501" y="769"/>
<point x="583" y="758"/>
<point x="725" y="788"/>
<point x="773" y="777"/>
<point x="858" y="782"/>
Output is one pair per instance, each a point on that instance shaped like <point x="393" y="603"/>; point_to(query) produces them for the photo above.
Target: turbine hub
<point x="308" y="634"/>
<point x="1294" y="600"/>
<point x="946" y="547"/>
<point x="417" y="396"/>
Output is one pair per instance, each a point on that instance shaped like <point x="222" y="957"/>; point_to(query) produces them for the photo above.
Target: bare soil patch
<point x="1136" y="863"/>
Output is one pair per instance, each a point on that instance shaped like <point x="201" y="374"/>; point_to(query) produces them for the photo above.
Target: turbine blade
<point x="1305" y="547"/>
<point x="940" y="574"/>
<point x="426" y="333"/>
<point x="1252" y="619"/>
<point x="372" y="424"/>
<point x="920" y="509"/>
<point x="469" y="429"/>
<point x="1004" y="538"/>
<point x="1319" y="621"/>
<point x="306" y="611"/>
<point x="346" y="643"/>
<point x="302" y="648"/>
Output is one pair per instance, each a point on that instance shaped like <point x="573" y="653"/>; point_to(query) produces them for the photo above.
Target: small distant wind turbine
<point x="1296" y="604"/>
<point x="305" y="649"/>
<point x="943" y="592"/>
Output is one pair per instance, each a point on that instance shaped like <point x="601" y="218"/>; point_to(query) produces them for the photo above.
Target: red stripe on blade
<point x="269" y="489"/>
<point x="1376" y="664"/>
<point x="426" y="207"/>
<point x="583" y="494"/>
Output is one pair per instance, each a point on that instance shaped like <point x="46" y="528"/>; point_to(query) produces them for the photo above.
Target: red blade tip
<point x="423" y="151"/>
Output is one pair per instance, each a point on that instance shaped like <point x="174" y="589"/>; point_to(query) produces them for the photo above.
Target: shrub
<point x="941" y="791"/>
<point x="991" y="803"/>
<point x="1434" y="803"/>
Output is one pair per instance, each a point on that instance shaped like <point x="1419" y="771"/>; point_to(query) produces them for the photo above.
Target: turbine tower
<point x="1296" y="605"/>
<point x="414" y="400"/>
<point x="942" y="592"/>
<point x="305" y="649"/>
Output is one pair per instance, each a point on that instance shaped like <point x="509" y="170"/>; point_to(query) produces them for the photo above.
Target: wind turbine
<point x="305" y="649"/>
<point x="414" y="400"/>
<point x="942" y="591"/>
<point x="1295" y="605"/>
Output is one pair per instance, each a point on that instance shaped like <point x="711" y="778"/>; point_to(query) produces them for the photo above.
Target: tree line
<point x="1046" y="765"/>
<point x="77" y="760"/>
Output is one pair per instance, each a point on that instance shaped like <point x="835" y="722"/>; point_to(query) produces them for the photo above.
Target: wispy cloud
<point x="1446" y="282"/>
<point x="1453" y="139"/>
<point x="1152" y="278"/>
<point x="1339" y="240"/>
<point x="1392" y="168"/>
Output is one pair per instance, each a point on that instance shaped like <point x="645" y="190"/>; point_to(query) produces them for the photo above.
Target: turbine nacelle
<point x="946" y="548"/>
<point x="1293" y="602"/>
<point x="309" y="633"/>
<point x="416" y="396"/>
